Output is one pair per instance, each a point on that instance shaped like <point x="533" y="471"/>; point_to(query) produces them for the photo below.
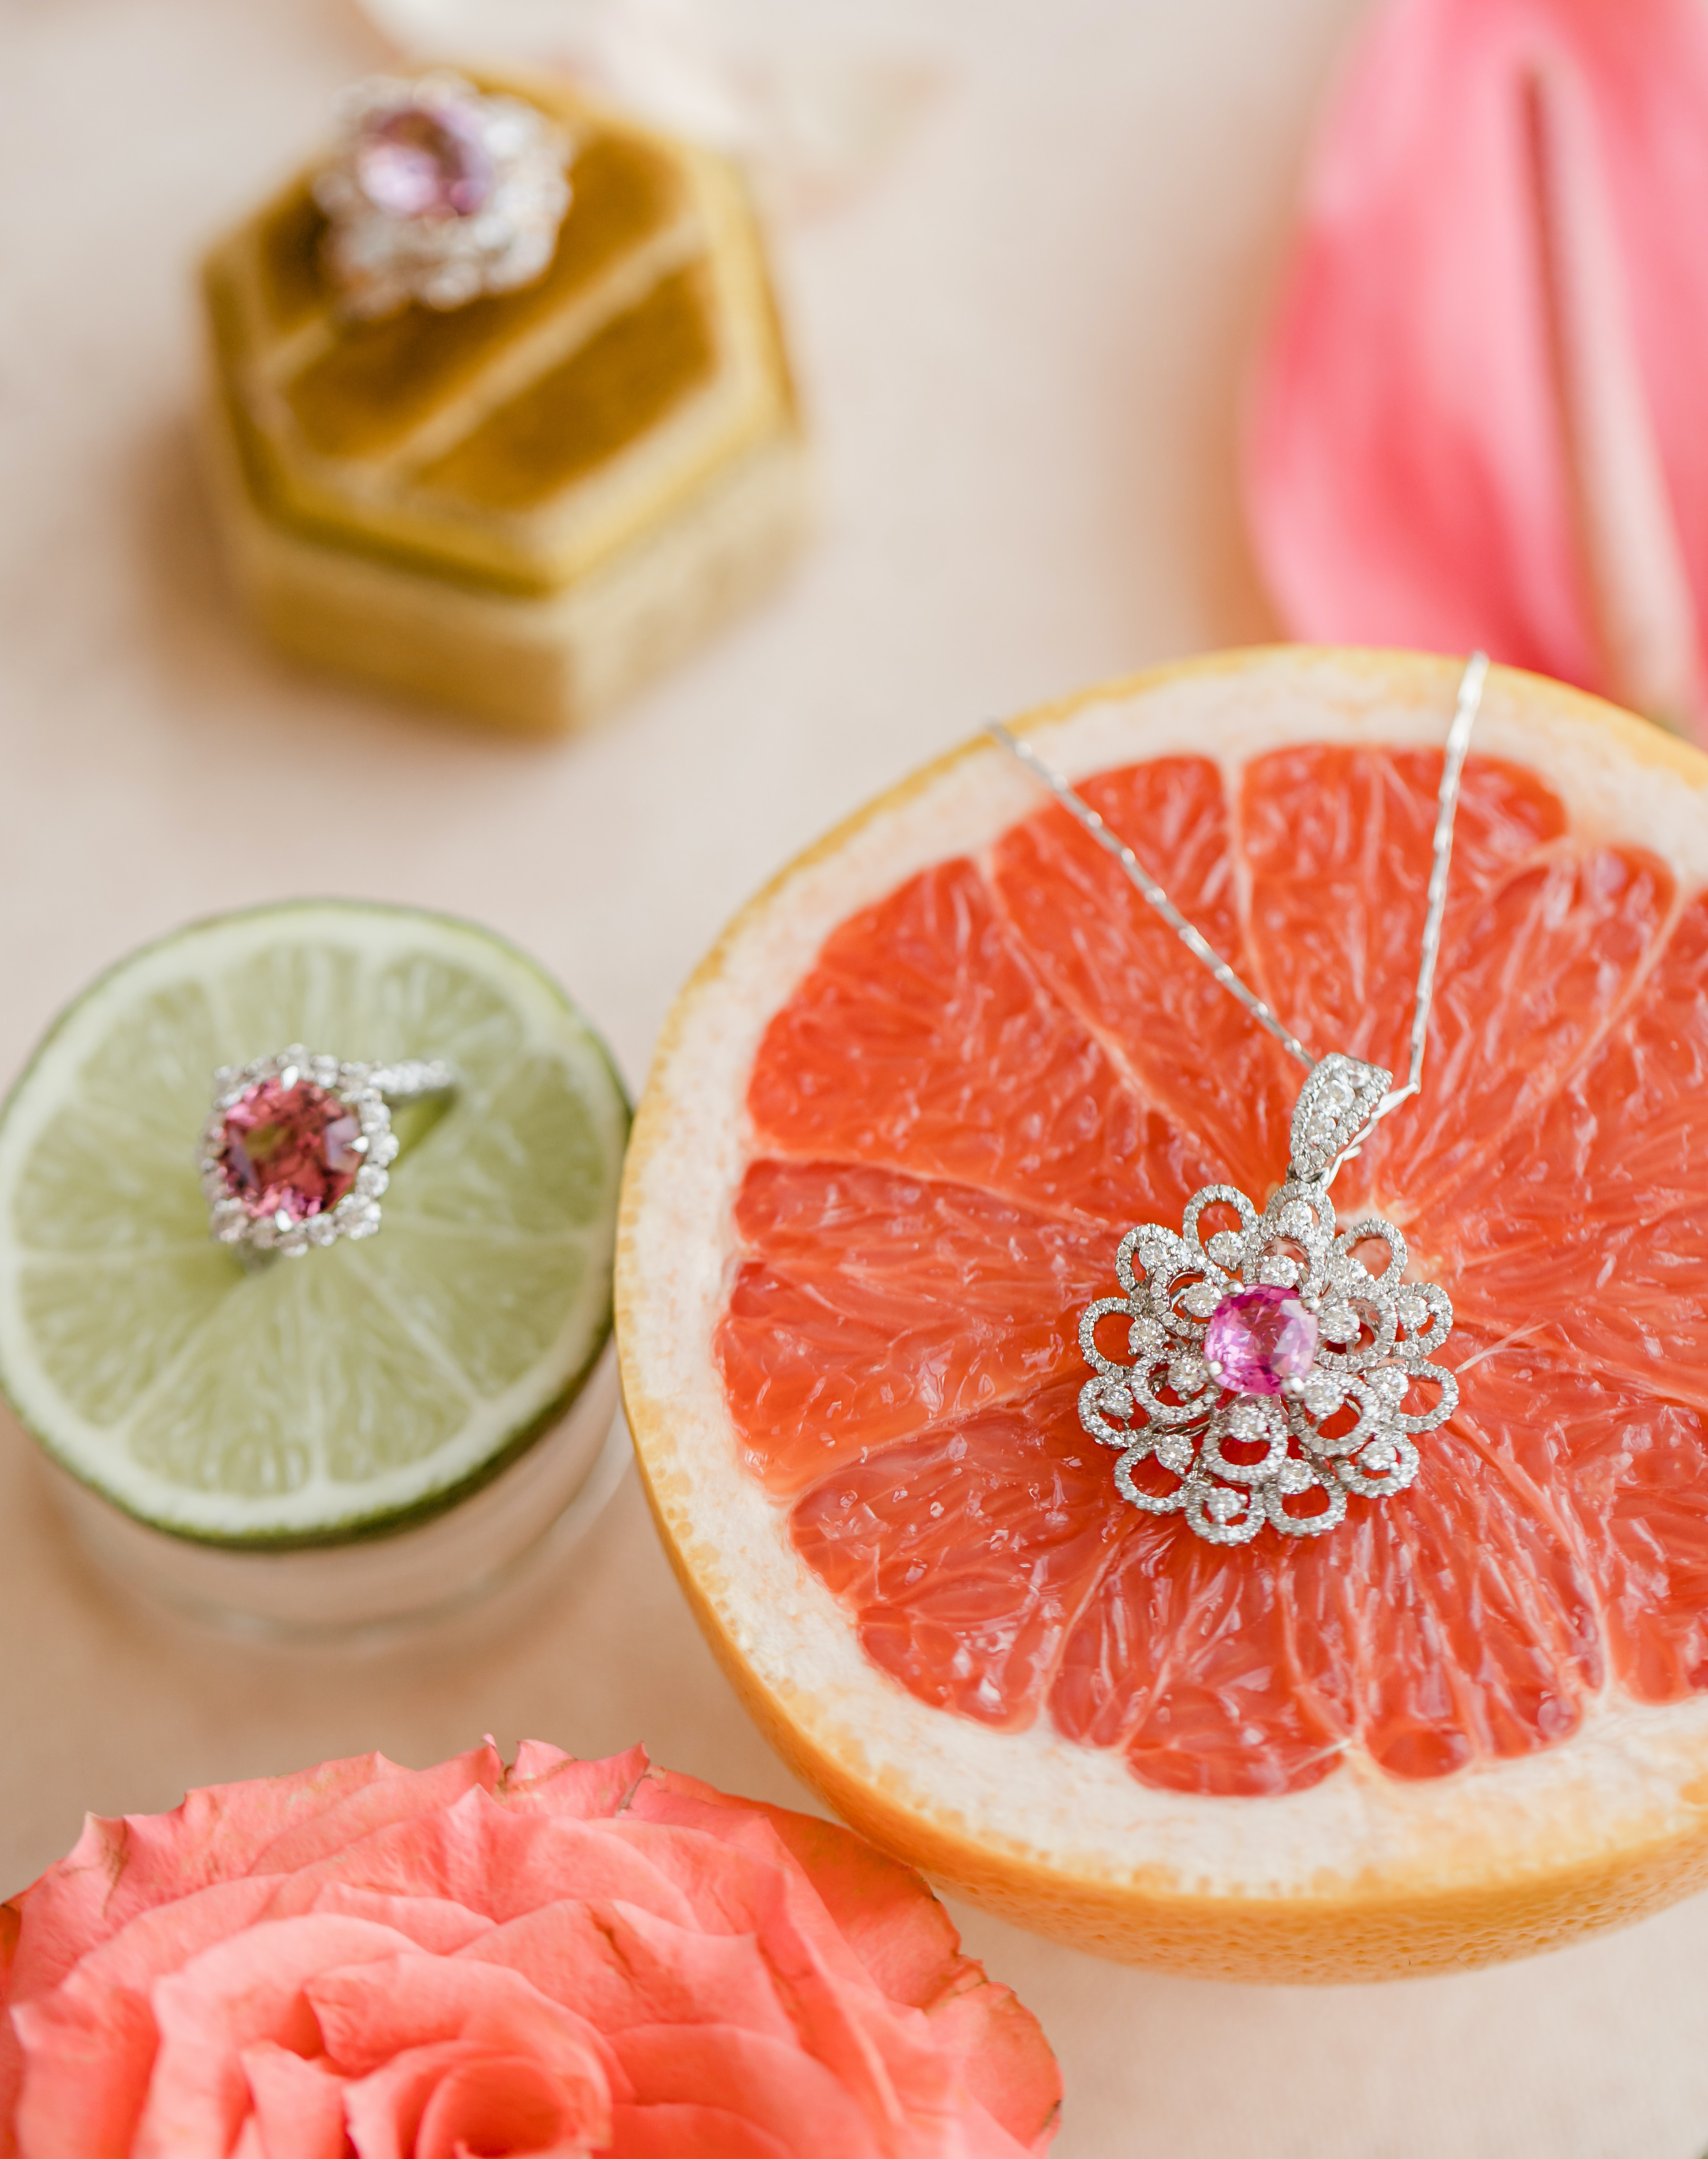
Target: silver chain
<point x="1447" y="809"/>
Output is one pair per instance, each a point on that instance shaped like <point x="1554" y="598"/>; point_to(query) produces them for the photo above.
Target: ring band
<point x="297" y="1147"/>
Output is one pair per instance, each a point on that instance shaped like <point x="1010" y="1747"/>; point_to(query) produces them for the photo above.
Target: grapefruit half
<point x="899" y="1121"/>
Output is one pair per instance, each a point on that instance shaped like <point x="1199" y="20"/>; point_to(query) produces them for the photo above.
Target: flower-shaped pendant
<point x="1271" y="1362"/>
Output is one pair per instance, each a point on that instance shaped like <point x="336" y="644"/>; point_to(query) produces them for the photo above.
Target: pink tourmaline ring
<point x="438" y="193"/>
<point x="297" y="1147"/>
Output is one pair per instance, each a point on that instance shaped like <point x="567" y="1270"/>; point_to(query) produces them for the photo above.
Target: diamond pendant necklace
<point x="1270" y="1364"/>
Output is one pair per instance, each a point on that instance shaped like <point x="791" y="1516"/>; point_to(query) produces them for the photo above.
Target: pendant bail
<point x="1339" y="1101"/>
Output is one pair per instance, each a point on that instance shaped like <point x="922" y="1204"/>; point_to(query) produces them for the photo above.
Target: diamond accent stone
<point x="1187" y="1373"/>
<point x="1248" y="1419"/>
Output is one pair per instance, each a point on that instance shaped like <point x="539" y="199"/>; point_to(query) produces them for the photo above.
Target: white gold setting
<point x="438" y="193"/>
<point x="1318" y="1392"/>
<point x="366" y="1092"/>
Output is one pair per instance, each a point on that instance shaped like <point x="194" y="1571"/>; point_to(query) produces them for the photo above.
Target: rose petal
<point x="545" y="1780"/>
<point x="1004" y="2059"/>
<point x="507" y="2103"/>
<point x="434" y="1923"/>
<point x="619" y="1967"/>
<point x="881" y="2056"/>
<point x="298" y="2105"/>
<point x="766" y="2082"/>
<point x="746" y="1880"/>
<point x="376" y="2009"/>
<point x="11" y="2057"/>
<point x="907" y="1943"/>
<point x="383" y="2110"/>
<point x="87" y="2048"/>
<point x="733" y="1866"/>
<point x="671" y="2131"/>
<point x="400" y="1795"/>
<point x="247" y="1989"/>
<point x="417" y="2025"/>
<point x="269" y="1825"/>
<point x="482" y="1857"/>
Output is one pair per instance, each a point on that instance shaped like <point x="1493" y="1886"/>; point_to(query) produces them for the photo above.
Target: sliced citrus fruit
<point x="345" y="1391"/>
<point x="902" y="1117"/>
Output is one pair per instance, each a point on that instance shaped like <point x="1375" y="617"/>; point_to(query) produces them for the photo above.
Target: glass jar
<point x="367" y="1591"/>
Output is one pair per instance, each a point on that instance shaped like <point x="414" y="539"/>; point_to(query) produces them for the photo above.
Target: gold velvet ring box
<point x="522" y="506"/>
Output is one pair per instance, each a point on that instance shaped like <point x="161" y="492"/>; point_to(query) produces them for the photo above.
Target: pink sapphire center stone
<point x="289" y="1150"/>
<point x="415" y="163"/>
<point x="1260" y="1337"/>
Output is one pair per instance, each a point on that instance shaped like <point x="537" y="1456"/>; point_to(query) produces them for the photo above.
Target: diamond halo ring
<point x="438" y="193"/>
<point x="297" y="1147"/>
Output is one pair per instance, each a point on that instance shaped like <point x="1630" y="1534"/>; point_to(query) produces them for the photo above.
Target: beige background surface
<point x="1021" y="347"/>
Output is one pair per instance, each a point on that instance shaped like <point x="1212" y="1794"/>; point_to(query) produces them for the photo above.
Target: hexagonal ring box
<point x="522" y="506"/>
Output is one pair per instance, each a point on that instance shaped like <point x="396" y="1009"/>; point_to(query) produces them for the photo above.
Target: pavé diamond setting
<point x="438" y="193"/>
<point x="296" y="1148"/>
<point x="1279" y="1365"/>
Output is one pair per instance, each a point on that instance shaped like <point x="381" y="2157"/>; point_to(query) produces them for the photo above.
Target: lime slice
<point x="356" y="1388"/>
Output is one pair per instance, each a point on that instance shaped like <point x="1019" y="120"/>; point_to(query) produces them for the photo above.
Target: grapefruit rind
<point x="1361" y="1876"/>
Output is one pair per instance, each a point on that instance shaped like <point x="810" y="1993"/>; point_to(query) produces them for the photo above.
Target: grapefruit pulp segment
<point x="922" y="1040"/>
<point x="966" y="1555"/>
<point x="872" y="1304"/>
<point x="1540" y="969"/>
<point x="1335" y="850"/>
<point x="1213" y="1075"/>
<point x="1604" y="1215"/>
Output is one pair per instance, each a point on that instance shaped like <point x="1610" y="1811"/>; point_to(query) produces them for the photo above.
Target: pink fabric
<point x="561" y="1958"/>
<point x="1478" y="418"/>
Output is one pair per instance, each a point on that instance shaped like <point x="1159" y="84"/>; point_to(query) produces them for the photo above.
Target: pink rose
<point x="459" y="1963"/>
